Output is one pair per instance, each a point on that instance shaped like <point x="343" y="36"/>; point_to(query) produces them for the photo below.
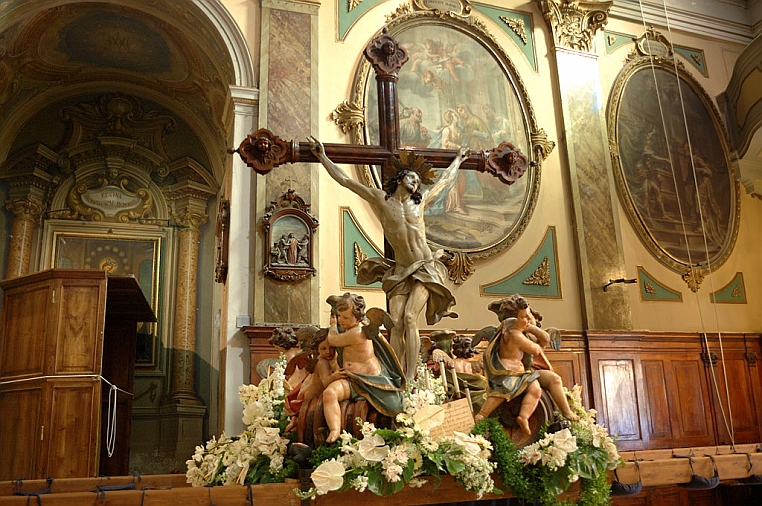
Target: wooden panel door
<point x="691" y="404"/>
<point x="20" y="428"/>
<point x="23" y="340"/>
<point x="81" y="308"/>
<point x="657" y="382"/>
<point x="619" y="401"/>
<point x="72" y="438"/>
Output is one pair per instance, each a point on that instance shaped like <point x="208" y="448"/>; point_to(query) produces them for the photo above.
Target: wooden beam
<point x="660" y="468"/>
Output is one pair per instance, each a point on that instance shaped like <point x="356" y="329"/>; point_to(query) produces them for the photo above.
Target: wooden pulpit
<point x="67" y="336"/>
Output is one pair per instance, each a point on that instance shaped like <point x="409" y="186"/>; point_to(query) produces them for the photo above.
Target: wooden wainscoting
<point x="657" y="390"/>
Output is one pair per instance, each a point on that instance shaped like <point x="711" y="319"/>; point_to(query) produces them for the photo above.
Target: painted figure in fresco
<point x="368" y="366"/>
<point x="500" y="127"/>
<point x="448" y="137"/>
<point x="412" y="132"/>
<point x="414" y="280"/>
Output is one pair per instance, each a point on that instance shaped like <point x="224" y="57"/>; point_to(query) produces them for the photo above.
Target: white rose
<point x="564" y="440"/>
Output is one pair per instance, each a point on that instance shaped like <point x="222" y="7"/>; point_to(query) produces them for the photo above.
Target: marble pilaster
<point x="288" y="107"/>
<point x="601" y="256"/>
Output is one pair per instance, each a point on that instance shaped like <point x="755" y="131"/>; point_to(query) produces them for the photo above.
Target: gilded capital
<point x="189" y="218"/>
<point x="25" y="208"/>
<point x="574" y="24"/>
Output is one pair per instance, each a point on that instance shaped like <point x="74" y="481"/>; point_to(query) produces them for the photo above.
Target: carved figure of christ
<point x="401" y="219"/>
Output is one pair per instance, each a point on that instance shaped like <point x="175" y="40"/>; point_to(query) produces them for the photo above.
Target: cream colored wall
<point x="696" y="313"/>
<point x="338" y="61"/>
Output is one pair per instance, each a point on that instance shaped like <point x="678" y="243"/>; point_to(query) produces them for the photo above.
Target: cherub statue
<point x="512" y="355"/>
<point x="368" y="366"/>
<point x="323" y="371"/>
<point x="506" y="374"/>
<point x="463" y="351"/>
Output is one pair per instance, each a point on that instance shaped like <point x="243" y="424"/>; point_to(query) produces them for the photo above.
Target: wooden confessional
<point x="67" y="336"/>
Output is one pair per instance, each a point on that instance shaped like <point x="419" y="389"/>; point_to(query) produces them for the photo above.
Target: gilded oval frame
<point x="534" y="142"/>
<point x="657" y="182"/>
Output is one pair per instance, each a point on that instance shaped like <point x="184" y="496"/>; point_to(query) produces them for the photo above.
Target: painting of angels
<point x="456" y="91"/>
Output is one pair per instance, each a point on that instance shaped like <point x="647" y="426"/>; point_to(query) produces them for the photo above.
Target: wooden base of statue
<point x="508" y="411"/>
<point x="312" y="430"/>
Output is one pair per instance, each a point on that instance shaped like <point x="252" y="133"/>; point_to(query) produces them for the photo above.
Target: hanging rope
<point x="727" y="418"/>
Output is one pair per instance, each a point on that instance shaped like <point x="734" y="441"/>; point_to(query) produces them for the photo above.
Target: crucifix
<point x="411" y="276"/>
<point x="263" y="151"/>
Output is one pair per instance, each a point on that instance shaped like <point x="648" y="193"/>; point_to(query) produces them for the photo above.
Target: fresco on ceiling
<point x="110" y="40"/>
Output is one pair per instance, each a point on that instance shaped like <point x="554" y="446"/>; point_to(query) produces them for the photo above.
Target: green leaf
<point x="454" y="466"/>
<point x="375" y="482"/>
<point x="407" y="471"/>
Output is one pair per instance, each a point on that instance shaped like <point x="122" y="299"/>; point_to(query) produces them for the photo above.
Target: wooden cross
<point x="262" y="150"/>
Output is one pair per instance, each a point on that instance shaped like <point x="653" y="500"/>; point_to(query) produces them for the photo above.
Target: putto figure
<point x="414" y="280"/>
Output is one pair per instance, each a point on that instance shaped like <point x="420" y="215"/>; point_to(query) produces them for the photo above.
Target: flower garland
<point x="383" y="461"/>
<point x="544" y="470"/>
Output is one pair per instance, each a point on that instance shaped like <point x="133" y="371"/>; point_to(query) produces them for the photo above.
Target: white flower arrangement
<point x="582" y="451"/>
<point x="258" y="454"/>
<point x="384" y="460"/>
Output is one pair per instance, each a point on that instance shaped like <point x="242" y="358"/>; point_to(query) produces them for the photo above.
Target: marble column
<point x="182" y="413"/>
<point x="184" y="345"/>
<point x="26" y="214"/>
<point x="601" y="256"/>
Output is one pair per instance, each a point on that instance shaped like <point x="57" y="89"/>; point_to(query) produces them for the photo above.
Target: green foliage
<point x="542" y="483"/>
<point x="325" y="452"/>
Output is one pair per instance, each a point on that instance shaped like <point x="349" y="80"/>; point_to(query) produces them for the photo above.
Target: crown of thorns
<point x="407" y="160"/>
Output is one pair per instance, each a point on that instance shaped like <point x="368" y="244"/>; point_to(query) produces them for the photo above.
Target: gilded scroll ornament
<point x="541" y="275"/>
<point x="541" y="145"/>
<point x="359" y="256"/>
<point x="349" y="116"/>
<point x="518" y="27"/>
<point x="694" y="276"/>
<point x="574" y="24"/>
<point x="351" y="4"/>
<point x="454" y="7"/>
<point x="459" y="266"/>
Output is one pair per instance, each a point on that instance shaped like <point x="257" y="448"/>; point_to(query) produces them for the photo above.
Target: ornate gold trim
<point x="359" y="256"/>
<point x="459" y="266"/>
<point x="541" y="275"/>
<point x="574" y="23"/>
<point x="517" y="26"/>
<point x="342" y="240"/>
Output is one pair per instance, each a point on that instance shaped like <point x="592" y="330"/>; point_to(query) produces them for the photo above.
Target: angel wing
<point x="441" y="356"/>
<point x="377" y="318"/>
<point x="555" y="338"/>
<point x="487" y="333"/>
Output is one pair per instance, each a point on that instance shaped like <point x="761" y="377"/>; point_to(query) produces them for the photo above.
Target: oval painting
<point x="457" y="89"/>
<point x="676" y="182"/>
